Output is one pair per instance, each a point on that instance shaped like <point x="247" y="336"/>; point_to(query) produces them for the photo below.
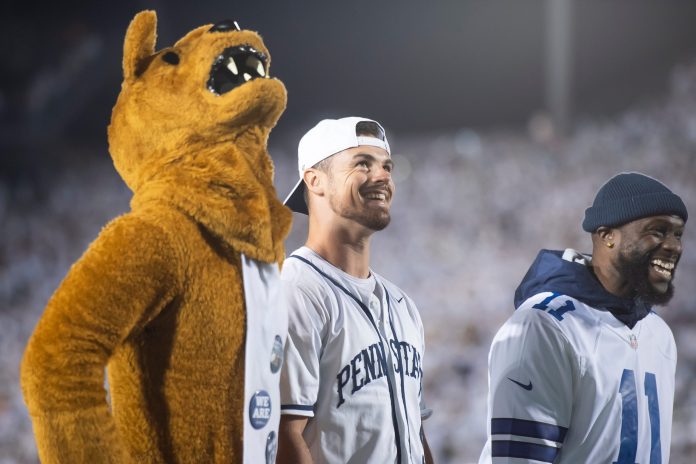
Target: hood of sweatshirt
<point x="570" y="273"/>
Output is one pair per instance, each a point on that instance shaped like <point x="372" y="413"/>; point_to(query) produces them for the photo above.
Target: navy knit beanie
<point x="630" y="196"/>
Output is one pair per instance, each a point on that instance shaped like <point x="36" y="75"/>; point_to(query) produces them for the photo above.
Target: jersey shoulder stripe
<point x="304" y="407"/>
<point x="297" y="409"/>
<point x="528" y="428"/>
<point x="522" y="450"/>
<point x="510" y="439"/>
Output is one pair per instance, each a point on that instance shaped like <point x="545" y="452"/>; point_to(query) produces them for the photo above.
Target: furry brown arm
<point x="123" y="280"/>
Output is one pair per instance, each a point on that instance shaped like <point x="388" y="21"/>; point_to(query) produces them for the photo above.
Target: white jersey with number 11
<point x="572" y="384"/>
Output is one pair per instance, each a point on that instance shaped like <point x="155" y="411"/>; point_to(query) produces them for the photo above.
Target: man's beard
<point x="373" y="219"/>
<point x="634" y="267"/>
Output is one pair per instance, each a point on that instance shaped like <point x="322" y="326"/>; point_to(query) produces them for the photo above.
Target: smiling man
<point x="351" y="386"/>
<point x="583" y="372"/>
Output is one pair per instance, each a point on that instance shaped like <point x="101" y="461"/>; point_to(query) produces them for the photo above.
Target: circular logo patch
<point x="260" y="409"/>
<point x="277" y="354"/>
<point x="271" y="448"/>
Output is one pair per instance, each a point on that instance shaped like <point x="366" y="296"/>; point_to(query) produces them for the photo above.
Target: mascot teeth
<point x="260" y="70"/>
<point x="234" y="67"/>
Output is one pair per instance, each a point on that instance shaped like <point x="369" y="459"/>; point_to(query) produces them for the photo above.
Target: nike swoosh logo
<point x="527" y="387"/>
<point x="399" y="300"/>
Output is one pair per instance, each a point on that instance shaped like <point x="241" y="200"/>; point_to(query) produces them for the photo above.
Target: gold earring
<point x="610" y="245"/>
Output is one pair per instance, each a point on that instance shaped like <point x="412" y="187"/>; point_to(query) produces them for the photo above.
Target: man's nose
<point x="672" y="243"/>
<point x="382" y="174"/>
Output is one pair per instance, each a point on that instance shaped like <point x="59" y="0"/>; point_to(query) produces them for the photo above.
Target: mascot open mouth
<point x="235" y="66"/>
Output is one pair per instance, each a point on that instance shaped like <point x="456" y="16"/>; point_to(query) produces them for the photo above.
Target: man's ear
<point x="315" y="181"/>
<point x="139" y="44"/>
<point x="608" y="236"/>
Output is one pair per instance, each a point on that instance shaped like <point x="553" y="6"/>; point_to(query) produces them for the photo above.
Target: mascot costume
<point x="179" y="296"/>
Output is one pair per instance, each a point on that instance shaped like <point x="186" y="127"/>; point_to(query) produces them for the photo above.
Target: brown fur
<point x="159" y="294"/>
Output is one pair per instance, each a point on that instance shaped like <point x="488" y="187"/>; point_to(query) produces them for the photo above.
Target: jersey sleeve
<point x="532" y="368"/>
<point x="300" y="376"/>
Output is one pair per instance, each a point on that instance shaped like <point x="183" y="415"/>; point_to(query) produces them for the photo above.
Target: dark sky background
<point x="418" y="66"/>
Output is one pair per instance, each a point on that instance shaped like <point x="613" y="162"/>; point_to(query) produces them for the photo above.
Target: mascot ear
<point x="139" y="44"/>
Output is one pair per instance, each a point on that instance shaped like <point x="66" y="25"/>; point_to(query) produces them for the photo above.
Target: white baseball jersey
<point x="571" y="384"/>
<point x="353" y="364"/>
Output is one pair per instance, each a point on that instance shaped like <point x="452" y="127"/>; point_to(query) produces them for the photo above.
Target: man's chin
<point x="376" y="221"/>
<point x="657" y="298"/>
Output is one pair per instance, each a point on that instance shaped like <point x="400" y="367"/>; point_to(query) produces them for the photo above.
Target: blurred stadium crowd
<point x="471" y="211"/>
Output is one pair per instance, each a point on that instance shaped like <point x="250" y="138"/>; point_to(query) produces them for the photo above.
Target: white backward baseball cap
<point x="327" y="138"/>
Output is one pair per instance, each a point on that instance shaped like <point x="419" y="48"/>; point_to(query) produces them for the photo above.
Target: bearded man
<point x="584" y="369"/>
<point x="351" y="386"/>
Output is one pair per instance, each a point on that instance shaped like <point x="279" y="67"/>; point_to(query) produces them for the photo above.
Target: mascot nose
<point x="225" y="25"/>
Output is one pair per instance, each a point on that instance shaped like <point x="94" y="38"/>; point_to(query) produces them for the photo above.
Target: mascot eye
<point x="171" y="58"/>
